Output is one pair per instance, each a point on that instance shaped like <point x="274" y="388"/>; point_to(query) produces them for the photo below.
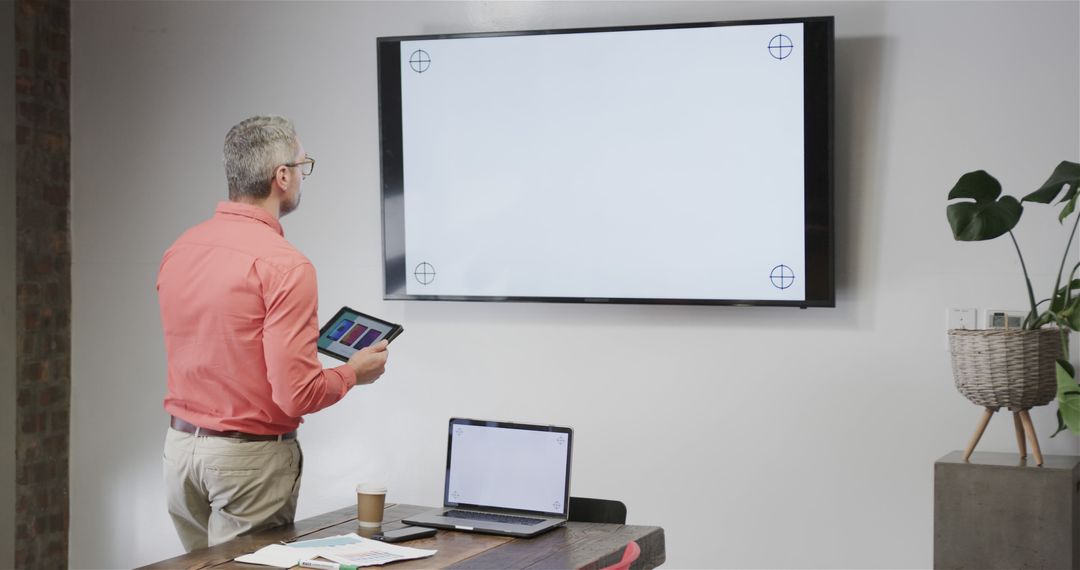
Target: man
<point x="238" y="309"/>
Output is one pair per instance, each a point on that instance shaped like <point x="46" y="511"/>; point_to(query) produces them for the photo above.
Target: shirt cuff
<point x="348" y="377"/>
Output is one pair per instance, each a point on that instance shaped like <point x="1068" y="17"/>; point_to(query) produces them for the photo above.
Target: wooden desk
<point x="577" y="545"/>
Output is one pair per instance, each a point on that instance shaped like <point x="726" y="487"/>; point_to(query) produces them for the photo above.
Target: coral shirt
<point x="238" y="308"/>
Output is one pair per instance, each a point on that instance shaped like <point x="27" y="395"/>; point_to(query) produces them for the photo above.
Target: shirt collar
<point x="249" y="211"/>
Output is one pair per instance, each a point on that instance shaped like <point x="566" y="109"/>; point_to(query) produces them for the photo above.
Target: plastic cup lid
<point x="371" y="488"/>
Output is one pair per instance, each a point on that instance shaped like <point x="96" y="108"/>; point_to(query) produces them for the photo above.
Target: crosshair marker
<point x="780" y="46"/>
<point x="419" y="61"/>
<point x="782" y="276"/>
<point x="424" y="273"/>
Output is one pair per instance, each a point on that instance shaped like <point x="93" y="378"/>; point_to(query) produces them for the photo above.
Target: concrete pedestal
<point x="999" y="511"/>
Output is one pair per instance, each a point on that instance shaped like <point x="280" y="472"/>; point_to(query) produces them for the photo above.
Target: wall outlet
<point x="1002" y="319"/>
<point x="961" y="318"/>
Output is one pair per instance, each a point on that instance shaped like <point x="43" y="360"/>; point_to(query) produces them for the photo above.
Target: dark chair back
<point x="584" y="509"/>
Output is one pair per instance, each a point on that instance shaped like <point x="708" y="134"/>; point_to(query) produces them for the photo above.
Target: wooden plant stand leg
<point x="1025" y="417"/>
<point x="987" y="414"/>
<point x="1019" y="425"/>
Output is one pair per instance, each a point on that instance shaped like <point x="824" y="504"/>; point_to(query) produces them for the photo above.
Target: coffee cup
<point x="370" y="500"/>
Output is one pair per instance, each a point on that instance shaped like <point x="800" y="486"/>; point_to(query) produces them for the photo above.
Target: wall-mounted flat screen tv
<point x="677" y="164"/>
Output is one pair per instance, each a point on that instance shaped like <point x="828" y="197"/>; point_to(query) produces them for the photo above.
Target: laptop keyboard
<point x="509" y="519"/>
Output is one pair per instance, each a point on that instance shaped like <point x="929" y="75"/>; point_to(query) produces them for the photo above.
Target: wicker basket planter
<point x="1006" y="368"/>
<point x="1012" y="369"/>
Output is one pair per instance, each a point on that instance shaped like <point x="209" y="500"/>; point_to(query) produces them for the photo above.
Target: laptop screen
<point x="508" y="466"/>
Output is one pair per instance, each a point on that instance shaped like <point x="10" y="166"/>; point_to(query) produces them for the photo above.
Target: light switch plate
<point x="962" y="318"/>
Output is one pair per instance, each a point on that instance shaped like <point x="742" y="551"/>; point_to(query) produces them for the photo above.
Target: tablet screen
<point x="351" y="330"/>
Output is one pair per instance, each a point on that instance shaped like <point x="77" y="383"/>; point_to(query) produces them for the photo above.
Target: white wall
<point x="757" y="437"/>
<point x="7" y="283"/>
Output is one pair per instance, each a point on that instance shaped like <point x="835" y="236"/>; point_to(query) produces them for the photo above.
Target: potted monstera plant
<point x="1026" y="367"/>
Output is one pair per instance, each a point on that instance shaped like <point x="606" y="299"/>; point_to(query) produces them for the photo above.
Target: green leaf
<point x="1067" y="367"/>
<point x="988" y="216"/>
<point x="1069" y="406"/>
<point x="1072" y="285"/>
<point x="978" y="186"/>
<point x="1068" y="209"/>
<point x="1068" y="396"/>
<point x="1074" y="314"/>
<point x="1042" y="320"/>
<point x="1066" y="173"/>
<point x="1061" y="424"/>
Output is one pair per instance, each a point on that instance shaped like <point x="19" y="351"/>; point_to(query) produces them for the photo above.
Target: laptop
<point x="503" y="478"/>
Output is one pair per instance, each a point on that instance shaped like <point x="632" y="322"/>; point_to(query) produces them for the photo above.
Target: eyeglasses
<point x="308" y="165"/>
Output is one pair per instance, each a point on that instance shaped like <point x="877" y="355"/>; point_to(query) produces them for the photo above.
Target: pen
<point x="319" y="565"/>
<point x="325" y="565"/>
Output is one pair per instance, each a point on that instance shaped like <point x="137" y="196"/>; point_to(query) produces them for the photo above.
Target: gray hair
<point x="253" y="149"/>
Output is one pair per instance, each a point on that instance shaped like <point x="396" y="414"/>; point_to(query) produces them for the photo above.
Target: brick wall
<point x="43" y="281"/>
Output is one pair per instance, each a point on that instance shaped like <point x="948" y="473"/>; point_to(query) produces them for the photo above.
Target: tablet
<point x="350" y="330"/>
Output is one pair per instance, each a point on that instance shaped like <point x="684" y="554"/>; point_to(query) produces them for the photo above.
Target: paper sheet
<point x="344" y="549"/>
<point x="277" y="555"/>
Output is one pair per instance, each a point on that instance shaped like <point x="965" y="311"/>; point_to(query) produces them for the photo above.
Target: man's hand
<point x="370" y="362"/>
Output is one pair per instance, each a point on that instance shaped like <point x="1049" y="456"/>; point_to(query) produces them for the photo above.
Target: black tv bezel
<point x="818" y="109"/>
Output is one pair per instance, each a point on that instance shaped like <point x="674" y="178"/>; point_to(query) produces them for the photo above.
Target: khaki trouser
<point x="218" y="488"/>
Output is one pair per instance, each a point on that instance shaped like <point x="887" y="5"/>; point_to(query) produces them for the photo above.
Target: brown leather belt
<point x="184" y="426"/>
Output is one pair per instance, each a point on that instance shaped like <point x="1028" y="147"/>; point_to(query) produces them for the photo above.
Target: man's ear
<point x="281" y="177"/>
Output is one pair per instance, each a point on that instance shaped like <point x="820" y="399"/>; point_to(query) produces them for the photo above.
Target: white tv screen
<point x="687" y="163"/>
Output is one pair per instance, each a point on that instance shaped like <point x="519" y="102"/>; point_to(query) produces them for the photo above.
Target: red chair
<point x="630" y="555"/>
